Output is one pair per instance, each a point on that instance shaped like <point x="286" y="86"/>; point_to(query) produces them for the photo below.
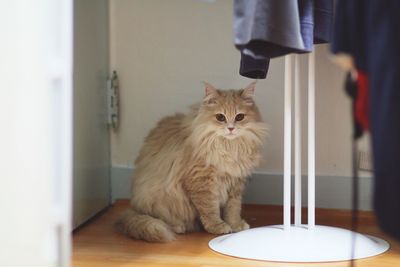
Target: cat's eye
<point x="220" y="117"/>
<point x="239" y="117"/>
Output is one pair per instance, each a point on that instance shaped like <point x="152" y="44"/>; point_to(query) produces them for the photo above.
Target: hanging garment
<point x="252" y="67"/>
<point x="265" y="29"/>
<point x="368" y="30"/>
<point x="361" y="105"/>
<point x="357" y="89"/>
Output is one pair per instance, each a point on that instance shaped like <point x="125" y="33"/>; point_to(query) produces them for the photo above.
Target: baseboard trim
<point x="333" y="192"/>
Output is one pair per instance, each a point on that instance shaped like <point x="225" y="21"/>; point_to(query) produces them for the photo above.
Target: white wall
<point x="162" y="51"/>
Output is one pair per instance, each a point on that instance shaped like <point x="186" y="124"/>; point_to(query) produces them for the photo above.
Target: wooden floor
<point x="97" y="244"/>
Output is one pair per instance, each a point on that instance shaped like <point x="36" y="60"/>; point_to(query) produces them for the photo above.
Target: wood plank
<point x="98" y="244"/>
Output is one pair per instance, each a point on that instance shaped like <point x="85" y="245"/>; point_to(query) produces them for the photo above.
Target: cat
<point x="191" y="171"/>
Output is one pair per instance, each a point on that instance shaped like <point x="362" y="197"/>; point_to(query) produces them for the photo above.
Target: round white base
<point x="298" y="244"/>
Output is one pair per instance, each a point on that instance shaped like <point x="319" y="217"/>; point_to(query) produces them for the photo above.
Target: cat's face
<point x="229" y="113"/>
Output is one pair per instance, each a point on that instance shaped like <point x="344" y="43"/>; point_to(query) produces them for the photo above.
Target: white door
<point x="35" y="133"/>
<point x="91" y="138"/>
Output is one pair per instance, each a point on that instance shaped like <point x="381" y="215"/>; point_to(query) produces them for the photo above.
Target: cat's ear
<point x="210" y="94"/>
<point x="248" y="93"/>
<point x="209" y="89"/>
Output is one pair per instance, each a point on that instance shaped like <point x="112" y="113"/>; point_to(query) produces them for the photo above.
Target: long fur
<point x="189" y="169"/>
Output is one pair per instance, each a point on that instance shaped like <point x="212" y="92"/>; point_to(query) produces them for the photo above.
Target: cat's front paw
<point x="242" y="225"/>
<point x="179" y="229"/>
<point x="219" y="228"/>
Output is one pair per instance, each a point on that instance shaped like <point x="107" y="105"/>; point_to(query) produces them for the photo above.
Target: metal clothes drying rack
<point x="298" y="242"/>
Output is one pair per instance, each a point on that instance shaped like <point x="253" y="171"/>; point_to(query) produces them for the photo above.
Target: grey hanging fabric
<point x="252" y="67"/>
<point x="265" y="29"/>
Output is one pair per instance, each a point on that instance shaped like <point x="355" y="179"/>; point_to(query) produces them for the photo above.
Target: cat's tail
<point x="141" y="226"/>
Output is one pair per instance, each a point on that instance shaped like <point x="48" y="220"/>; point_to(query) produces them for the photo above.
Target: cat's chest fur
<point x="237" y="158"/>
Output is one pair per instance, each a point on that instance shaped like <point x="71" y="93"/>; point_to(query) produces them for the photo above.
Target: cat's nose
<point x="231" y="129"/>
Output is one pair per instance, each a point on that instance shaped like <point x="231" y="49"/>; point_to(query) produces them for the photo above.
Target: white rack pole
<point x="287" y="141"/>
<point x="311" y="140"/>
<point x="297" y="142"/>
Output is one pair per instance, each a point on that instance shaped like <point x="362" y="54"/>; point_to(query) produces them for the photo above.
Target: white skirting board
<point x="333" y="192"/>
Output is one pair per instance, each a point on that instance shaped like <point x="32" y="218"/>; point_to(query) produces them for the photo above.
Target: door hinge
<point x="113" y="101"/>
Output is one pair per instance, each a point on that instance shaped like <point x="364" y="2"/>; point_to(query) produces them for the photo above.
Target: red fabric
<point x="361" y="105"/>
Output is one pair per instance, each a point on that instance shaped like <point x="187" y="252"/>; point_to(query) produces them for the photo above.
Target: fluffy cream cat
<point x="193" y="167"/>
